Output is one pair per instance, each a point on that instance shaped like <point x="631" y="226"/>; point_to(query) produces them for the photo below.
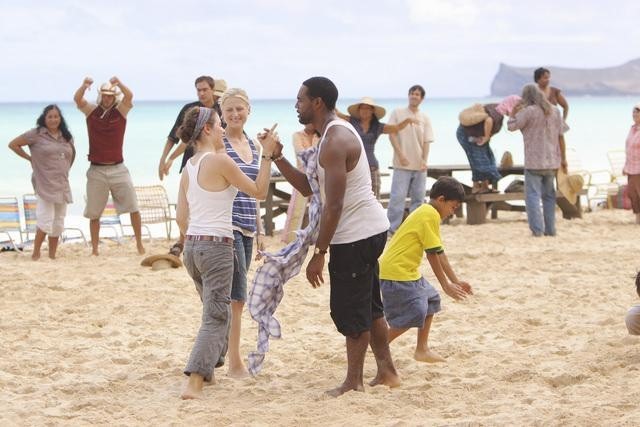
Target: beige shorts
<point x="109" y="178"/>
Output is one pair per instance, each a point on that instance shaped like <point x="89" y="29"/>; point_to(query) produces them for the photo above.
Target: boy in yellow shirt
<point x="409" y="300"/>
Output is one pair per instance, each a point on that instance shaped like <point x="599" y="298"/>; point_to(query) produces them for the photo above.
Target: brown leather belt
<point x="209" y="239"/>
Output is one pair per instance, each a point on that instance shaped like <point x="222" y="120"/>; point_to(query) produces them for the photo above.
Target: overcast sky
<point x="368" y="47"/>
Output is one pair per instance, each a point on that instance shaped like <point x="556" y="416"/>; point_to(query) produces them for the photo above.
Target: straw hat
<point x="378" y="111"/>
<point x="161" y="262"/>
<point x="473" y="115"/>
<point x="108" y="89"/>
<point x="219" y="87"/>
<point x="570" y="185"/>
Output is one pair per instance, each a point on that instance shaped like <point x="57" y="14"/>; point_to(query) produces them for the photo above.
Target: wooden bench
<point x="479" y="204"/>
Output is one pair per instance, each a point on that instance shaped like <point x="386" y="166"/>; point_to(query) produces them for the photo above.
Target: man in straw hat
<point x="365" y="117"/>
<point x="410" y="155"/>
<point x="106" y="124"/>
<point x="209" y="92"/>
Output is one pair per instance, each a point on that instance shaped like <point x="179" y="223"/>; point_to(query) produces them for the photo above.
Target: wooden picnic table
<point x="479" y="204"/>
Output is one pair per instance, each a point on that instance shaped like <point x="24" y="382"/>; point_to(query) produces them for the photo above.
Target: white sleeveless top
<point x="209" y="211"/>
<point x="362" y="214"/>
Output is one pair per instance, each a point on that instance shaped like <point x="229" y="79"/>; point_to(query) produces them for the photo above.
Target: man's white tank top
<point x="362" y="214"/>
<point x="209" y="211"/>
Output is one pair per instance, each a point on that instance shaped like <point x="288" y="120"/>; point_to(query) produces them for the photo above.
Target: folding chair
<point x="111" y="220"/>
<point x="30" y="205"/>
<point x="154" y="206"/>
<point x="10" y="220"/>
<point x="617" y="159"/>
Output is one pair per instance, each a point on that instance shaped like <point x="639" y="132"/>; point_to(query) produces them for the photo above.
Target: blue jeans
<point x="242" y="253"/>
<point x="405" y="182"/>
<point x="539" y="186"/>
<point x="481" y="158"/>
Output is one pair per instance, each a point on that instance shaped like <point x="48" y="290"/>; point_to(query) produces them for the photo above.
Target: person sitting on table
<point x="475" y="143"/>
<point x="365" y="117"/>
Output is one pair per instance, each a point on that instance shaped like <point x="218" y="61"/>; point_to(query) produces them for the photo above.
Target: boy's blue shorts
<point x="407" y="304"/>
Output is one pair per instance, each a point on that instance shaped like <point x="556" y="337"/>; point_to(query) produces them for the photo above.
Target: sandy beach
<point x="97" y="341"/>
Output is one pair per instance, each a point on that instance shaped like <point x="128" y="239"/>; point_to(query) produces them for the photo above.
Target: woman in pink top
<point x="632" y="163"/>
<point x="51" y="156"/>
<point x="204" y="217"/>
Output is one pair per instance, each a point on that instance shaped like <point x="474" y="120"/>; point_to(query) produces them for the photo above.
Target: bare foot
<point x="238" y="371"/>
<point x="188" y="394"/>
<point x="428" y="356"/>
<point x="193" y="388"/>
<point x="140" y="248"/>
<point x="388" y="379"/>
<point x="35" y="255"/>
<point x="339" y="391"/>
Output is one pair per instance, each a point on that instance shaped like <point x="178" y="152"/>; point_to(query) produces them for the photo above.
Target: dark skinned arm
<point x="333" y="158"/>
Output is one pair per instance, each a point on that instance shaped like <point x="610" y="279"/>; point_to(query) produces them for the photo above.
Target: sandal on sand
<point x="176" y="249"/>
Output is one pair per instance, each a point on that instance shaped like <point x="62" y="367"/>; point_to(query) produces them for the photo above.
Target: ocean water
<point x="597" y="126"/>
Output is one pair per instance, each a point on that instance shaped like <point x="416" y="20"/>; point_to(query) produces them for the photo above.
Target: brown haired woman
<point x="208" y="186"/>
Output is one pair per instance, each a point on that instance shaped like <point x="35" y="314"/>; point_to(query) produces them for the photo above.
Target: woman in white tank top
<point x="208" y="186"/>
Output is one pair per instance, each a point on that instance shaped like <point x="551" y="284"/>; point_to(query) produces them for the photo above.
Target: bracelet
<point x="276" y="159"/>
<point x="267" y="157"/>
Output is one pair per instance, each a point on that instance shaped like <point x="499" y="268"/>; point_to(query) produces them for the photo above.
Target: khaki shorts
<point x="109" y="178"/>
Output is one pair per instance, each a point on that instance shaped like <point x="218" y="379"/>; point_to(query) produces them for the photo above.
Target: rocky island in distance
<point x="611" y="81"/>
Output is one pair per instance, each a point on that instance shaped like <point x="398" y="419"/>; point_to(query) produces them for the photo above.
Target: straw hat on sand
<point x="378" y="111"/>
<point x="569" y="185"/>
<point x="161" y="262"/>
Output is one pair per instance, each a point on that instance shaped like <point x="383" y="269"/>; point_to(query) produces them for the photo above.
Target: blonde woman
<point x="208" y="187"/>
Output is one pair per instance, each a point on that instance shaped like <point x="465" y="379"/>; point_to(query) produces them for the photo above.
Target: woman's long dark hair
<point x="63" y="124"/>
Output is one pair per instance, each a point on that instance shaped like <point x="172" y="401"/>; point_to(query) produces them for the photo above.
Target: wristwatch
<point x="317" y="251"/>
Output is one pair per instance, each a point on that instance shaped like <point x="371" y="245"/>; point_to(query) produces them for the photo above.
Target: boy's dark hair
<point x="448" y="187"/>
<point x="538" y="73"/>
<point x="638" y="283"/>
<point x="419" y="89"/>
<point x="323" y="88"/>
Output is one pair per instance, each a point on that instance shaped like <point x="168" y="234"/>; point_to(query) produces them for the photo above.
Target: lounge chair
<point x="29" y="205"/>
<point x="155" y="208"/>
<point x="10" y="220"/>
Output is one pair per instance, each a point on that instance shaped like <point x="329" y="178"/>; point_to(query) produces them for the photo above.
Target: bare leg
<point x="386" y="374"/>
<point x="193" y="389"/>
<point x="356" y="350"/>
<point x="94" y="229"/>
<point x="423" y="353"/>
<point x="53" y="246"/>
<point x="136" y="224"/>
<point x="236" y="366"/>
<point x="395" y="333"/>
<point x="37" y="244"/>
<point x="638" y="218"/>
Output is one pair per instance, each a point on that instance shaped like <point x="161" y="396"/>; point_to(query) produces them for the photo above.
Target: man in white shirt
<point x="353" y="229"/>
<point x="410" y="155"/>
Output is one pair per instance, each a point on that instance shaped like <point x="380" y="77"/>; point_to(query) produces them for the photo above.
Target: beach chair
<point x="29" y="206"/>
<point x="110" y="220"/>
<point x="155" y="208"/>
<point x="617" y="159"/>
<point x="10" y="220"/>
<point x="576" y="168"/>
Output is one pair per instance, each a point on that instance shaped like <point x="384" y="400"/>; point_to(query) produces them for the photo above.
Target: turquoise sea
<point x="597" y="126"/>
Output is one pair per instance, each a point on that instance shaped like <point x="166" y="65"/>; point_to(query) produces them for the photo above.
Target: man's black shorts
<point x="355" y="285"/>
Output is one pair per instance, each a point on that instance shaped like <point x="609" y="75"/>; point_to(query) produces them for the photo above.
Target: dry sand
<point x="88" y="341"/>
